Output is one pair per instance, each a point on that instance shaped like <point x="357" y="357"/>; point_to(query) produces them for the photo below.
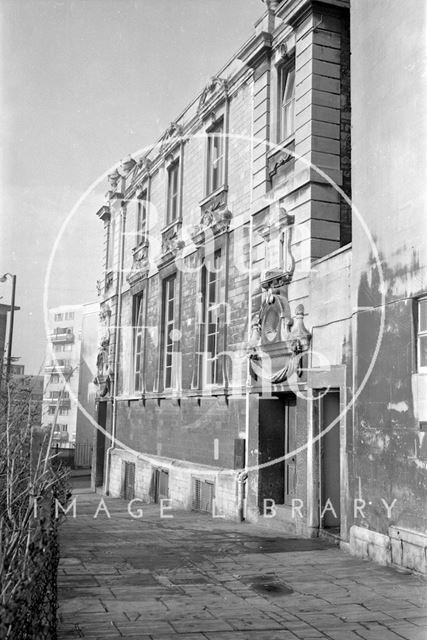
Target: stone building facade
<point x="225" y="367"/>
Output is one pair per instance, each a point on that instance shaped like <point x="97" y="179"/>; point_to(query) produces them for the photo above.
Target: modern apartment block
<point x="231" y="376"/>
<point x="61" y="378"/>
<point x="86" y="388"/>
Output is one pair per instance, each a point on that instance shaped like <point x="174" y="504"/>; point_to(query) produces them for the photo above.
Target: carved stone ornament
<point x="145" y="164"/>
<point x="172" y="243"/>
<point x="277" y="340"/>
<point x="105" y="313"/>
<point x="113" y="181"/>
<point x="171" y="136"/>
<point x="278" y="160"/>
<point x="216" y="87"/>
<point x="140" y="265"/>
<point x="215" y="218"/>
<point x="279" y="259"/>
<point x="271" y="4"/>
<point x="127" y="164"/>
<point x="109" y="276"/>
<point x="103" y="375"/>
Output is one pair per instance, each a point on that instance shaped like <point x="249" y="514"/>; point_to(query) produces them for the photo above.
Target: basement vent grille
<point x="202" y="495"/>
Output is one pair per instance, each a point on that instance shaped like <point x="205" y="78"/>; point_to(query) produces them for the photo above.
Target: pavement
<point x="194" y="577"/>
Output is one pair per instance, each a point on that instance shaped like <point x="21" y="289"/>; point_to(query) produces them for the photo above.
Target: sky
<point x="83" y="84"/>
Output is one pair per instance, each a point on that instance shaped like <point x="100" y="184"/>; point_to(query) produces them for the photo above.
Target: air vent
<point x="202" y="495"/>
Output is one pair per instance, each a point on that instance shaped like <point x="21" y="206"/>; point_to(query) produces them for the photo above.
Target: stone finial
<point x="113" y="180"/>
<point x="299" y="332"/>
<point x="271" y="4"/>
<point x="128" y="164"/>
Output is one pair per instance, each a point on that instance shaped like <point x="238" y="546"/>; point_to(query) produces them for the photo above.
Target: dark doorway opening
<point x="277" y="439"/>
<point x="329" y="445"/>
<point x="100" y="445"/>
<point x="128" y="491"/>
<point x="161" y="485"/>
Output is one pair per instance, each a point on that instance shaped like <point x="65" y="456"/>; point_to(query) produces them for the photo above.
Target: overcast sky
<point x="84" y="83"/>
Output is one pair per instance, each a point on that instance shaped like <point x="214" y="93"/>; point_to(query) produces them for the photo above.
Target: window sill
<point x="285" y="145"/>
<point x="142" y="244"/>
<point x="214" y="194"/>
<point x="171" y="225"/>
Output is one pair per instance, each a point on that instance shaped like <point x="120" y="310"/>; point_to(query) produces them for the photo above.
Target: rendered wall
<point x="389" y="115"/>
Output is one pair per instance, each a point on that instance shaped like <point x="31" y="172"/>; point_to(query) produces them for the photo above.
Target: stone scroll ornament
<point x="277" y="340"/>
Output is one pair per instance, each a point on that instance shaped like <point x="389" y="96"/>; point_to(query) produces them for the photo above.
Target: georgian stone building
<point x="226" y="369"/>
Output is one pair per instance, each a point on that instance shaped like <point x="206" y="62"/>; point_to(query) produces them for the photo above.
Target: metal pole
<point x="12" y="318"/>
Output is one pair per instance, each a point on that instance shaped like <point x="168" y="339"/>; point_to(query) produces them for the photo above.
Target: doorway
<point x="329" y="449"/>
<point x="277" y="438"/>
<point x="128" y="490"/>
<point x="161" y="485"/>
<point x="100" y="445"/>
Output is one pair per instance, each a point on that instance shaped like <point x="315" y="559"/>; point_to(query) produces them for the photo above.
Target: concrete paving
<point x="192" y="577"/>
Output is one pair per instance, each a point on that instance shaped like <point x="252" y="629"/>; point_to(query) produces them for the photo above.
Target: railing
<point x="61" y="365"/>
<point x="77" y="455"/>
<point x="83" y="455"/>
<point x="64" y="403"/>
<point x="61" y="337"/>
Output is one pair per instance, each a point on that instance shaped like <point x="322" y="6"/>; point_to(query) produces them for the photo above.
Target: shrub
<point x="30" y="482"/>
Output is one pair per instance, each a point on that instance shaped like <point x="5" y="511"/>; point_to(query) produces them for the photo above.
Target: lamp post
<point x="3" y="278"/>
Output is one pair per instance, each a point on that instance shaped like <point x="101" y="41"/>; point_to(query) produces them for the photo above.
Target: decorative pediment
<point x="172" y="244"/>
<point x="215" y="217"/>
<point x="140" y="264"/>
<point x="216" y="88"/>
<point x="171" y="136"/>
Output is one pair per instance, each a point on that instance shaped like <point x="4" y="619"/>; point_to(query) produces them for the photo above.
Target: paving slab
<point x="194" y="577"/>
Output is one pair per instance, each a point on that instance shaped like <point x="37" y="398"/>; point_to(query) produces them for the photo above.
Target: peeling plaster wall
<point x="389" y="117"/>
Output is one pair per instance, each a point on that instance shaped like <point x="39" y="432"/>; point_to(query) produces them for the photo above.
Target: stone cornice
<point x="104" y="213"/>
<point x="257" y="46"/>
<point x="293" y="11"/>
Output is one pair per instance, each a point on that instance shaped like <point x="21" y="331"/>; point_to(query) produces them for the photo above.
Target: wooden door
<point x="129" y="481"/>
<point x="330" y="461"/>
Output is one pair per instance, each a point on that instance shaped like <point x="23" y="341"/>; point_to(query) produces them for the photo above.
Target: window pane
<point x="289" y="88"/>
<point x="171" y="287"/>
<point x="287" y="104"/>
<point x="423" y="351"/>
<point x="173" y="193"/>
<point x="422" y="320"/>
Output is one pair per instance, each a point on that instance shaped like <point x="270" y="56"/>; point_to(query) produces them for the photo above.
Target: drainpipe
<point x="116" y="345"/>
<point x="243" y="475"/>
